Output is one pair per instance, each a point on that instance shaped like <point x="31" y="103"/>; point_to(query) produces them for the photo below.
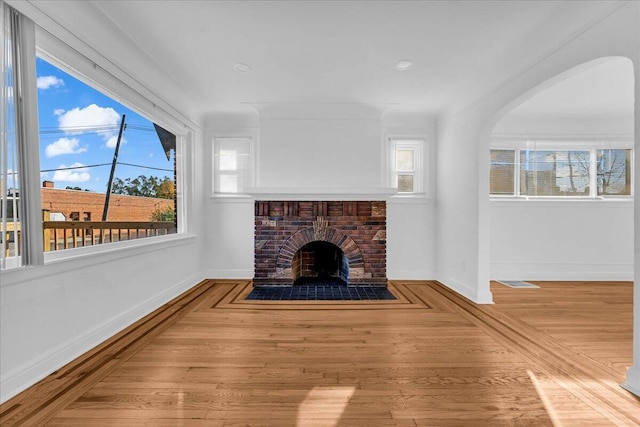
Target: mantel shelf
<point x="372" y="194"/>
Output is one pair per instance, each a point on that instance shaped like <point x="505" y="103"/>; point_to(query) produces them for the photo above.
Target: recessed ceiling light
<point x="243" y="68"/>
<point x="404" y="65"/>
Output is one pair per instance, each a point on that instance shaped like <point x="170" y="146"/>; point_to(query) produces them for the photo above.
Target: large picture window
<point x="587" y="172"/>
<point x="77" y="167"/>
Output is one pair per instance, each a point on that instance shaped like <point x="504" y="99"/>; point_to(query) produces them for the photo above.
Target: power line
<point x="92" y="128"/>
<point x="75" y="167"/>
<point x="106" y="164"/>
<point x="76" y="129"/>
<point x="146" y="167"/>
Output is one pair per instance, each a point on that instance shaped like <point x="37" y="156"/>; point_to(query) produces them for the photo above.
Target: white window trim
<point x="251" y="138"/>
<point x="419" y="144"/>
<point x="574" y="143"/>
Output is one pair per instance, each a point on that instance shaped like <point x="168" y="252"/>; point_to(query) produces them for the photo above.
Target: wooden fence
<point x="59" y="235"/>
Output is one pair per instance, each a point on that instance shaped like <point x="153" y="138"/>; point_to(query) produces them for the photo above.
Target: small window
<point x="232" y="165"/>
<point x="405" y="165"/>
<point x="74" y="216"/>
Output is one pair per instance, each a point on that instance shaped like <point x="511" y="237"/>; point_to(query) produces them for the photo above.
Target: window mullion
<point x="516" y="170"/>
<point x="593" y="173"/>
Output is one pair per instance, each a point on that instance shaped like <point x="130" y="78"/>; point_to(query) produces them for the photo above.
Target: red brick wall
<point x="282" y="228"/>
<point x="121" y="208"/>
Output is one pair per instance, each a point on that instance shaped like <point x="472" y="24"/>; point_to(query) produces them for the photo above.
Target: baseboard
<point x="229" y="274"/>
<point x="29" y="373"/>
<point x="467" y="292"/>
<point x="562" y="271"/>
<point x="632" y="384"/>
<point x="411" y="275"/>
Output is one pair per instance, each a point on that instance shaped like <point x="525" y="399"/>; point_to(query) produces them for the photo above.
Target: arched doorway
<point x="553" y="233"/>
<point x="570" y="141"/>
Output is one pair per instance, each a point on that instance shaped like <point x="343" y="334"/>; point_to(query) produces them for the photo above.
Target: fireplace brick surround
<point x="285" y="230"/>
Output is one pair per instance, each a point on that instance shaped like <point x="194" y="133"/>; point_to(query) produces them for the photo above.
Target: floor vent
<point x="517" y="284"/>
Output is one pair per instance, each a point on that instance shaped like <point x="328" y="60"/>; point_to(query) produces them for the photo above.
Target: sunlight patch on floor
<point x="326" y="403"/>
<point x="545" y="399"/>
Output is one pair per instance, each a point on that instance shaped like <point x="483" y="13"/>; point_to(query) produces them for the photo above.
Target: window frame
<point x="568" y="144"/>
<point x="112" y="82"/>
<point x="416" y="143"/>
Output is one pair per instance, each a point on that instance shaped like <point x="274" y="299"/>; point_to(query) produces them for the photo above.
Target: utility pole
<point x="113" y="171"/>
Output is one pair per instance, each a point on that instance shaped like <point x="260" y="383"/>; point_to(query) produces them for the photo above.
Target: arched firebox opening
<point x="320" y="262"/>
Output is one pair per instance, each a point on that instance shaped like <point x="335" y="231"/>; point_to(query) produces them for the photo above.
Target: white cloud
<point x="72" y="175"/>
<point x="64" y="146"/>
<point x="46" y="82"/>
<point x="89" y="119"/>
<point x="113" y="140"/>
<point x="58" y="111"/>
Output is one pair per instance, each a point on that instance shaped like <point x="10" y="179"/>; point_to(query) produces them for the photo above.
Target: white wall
<point x="319" y="147"/>
<point x="50" y="315"/>
<point x="561" y="240"/>
<point x="462" y="249"/>
<point x="323" y="152"/>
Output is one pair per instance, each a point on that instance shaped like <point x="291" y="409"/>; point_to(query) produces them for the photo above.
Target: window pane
<point x="404" y="160"/>
<point x="228" y="183"/>
<point x="502" y="172"/>
<point x="554" y="173"/>
<point x="405" y="183"/>
<point x="614" y="172"/>
<point x="228" y="160"/>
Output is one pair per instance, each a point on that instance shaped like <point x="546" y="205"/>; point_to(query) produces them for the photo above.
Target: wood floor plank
<point x="552" y="357"/>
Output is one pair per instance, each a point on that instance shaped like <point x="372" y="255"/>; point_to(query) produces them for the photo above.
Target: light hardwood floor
<point x="548" y="356"/>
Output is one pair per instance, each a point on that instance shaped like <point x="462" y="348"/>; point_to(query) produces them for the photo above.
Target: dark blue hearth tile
<point x="321" y="292"/>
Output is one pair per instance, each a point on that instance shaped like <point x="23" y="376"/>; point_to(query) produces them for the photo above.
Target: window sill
<point x="562" y="201"/>
<point x="413" y="198"/>
<point x="117" y="247"/>
<point x="231" y="198"/>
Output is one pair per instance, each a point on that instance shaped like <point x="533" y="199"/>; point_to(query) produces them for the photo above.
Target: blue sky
<point x="79" y="128"/>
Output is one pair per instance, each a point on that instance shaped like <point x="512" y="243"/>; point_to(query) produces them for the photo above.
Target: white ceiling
<point x="601" y="89"/>
<point x="345" y="51"/>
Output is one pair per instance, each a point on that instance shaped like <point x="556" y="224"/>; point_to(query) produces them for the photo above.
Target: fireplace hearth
<point x="299" y="242"/>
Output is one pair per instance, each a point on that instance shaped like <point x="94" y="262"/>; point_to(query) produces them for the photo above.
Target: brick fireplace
<point x="305" y="241"/>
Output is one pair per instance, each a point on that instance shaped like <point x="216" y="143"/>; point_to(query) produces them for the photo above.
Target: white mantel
<point x="321" y="194"/>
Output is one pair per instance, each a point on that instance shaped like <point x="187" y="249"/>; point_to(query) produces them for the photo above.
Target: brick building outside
<point x="78" y="205"/>
<point x="73" y="218"/>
